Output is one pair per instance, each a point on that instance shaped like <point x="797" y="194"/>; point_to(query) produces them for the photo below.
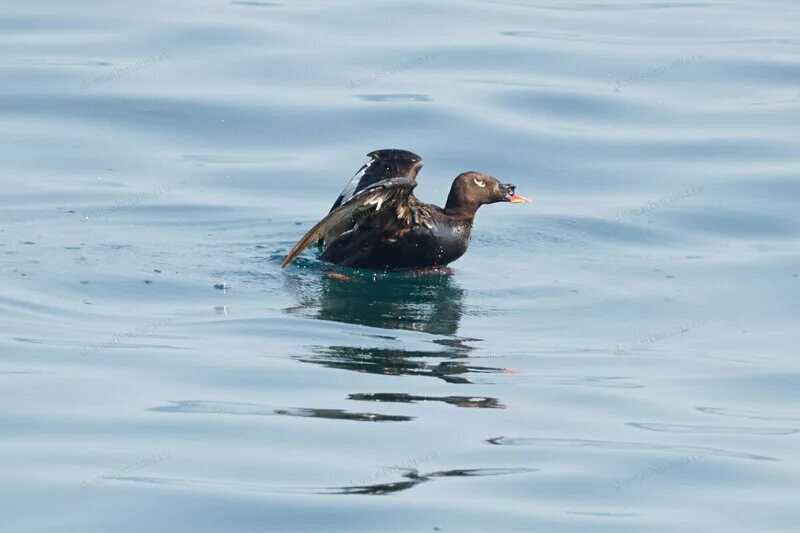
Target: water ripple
<point x="401" y="97"/>
<point x="754" y="415"/>
<point x="598" y="39"/>
<point x="622" y="446"/>
<point x="723" y="430"/>
<point x="232" y="408"/>
<point x="600" y="6"/>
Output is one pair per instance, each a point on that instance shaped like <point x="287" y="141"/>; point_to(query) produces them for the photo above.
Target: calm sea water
<point x="619" y="355"/>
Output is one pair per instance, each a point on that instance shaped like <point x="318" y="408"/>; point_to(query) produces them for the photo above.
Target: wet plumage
<point x="378" y="223"/>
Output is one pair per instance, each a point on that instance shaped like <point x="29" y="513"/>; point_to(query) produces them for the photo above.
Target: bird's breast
<point x="450" y="241"/>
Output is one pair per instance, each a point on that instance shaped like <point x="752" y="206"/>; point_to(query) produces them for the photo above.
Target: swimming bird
<point x="377" y="222"/>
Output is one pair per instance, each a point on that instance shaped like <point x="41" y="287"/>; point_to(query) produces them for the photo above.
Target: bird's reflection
<point x="459" y="401"/>
<point x="397" y="361"/>
<point x="414" y="478"/>
<point x="430" y="303"/>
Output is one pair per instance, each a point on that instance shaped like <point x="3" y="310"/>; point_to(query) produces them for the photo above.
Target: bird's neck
<point x="456" y="207"/>
<point x="461" y="214"/>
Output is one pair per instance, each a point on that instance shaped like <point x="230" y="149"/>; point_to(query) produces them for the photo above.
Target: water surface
<point x="619" y="355"/>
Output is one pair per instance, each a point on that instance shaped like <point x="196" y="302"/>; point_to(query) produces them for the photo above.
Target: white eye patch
<point x="479" y="183"/>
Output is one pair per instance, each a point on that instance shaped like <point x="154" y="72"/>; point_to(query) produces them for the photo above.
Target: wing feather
<point x="383" y="195"/>
<point x="383" y="165"/>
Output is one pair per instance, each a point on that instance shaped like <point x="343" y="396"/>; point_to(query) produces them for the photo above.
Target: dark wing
<point x="383" y="165"/>
<point x="388" y="194"/>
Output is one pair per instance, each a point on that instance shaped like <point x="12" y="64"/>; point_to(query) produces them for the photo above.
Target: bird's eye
<point x="479" y="183"/>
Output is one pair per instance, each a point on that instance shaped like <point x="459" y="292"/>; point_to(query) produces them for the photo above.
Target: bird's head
<point x="470" y="190"/>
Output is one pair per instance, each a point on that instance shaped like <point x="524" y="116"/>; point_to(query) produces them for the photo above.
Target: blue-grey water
<point x="619" y="356"/>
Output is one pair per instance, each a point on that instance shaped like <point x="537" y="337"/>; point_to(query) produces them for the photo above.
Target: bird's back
<point x="413" y="235"/>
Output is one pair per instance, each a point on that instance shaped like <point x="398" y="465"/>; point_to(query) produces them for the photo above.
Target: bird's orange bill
<point x="517" y="199"/>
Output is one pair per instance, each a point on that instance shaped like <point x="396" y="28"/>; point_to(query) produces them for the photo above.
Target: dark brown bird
<point x="378" y="223"/>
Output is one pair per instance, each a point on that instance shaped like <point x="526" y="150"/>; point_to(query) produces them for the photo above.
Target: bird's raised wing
<point x="386" y="194"/>
<point x="382" y="165"/>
